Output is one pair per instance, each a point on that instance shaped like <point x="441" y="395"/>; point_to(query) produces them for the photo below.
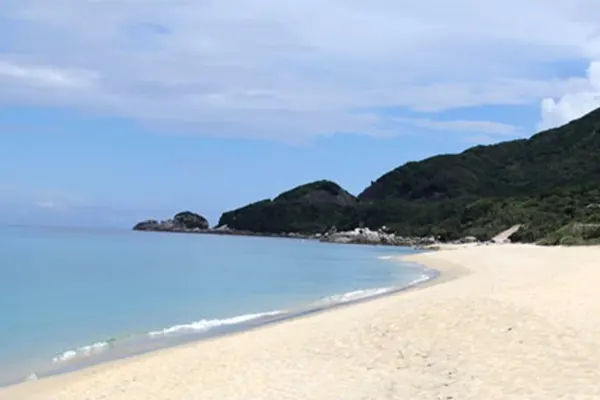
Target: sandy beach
<point x="501" y="322"/>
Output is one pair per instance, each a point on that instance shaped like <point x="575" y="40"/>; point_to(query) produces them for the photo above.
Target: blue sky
<point x="113" y="111"/>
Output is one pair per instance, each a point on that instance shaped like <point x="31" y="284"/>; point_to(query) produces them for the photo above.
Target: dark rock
<point x="185" y="221"/>
<point x="468" y="239"/>
<point x="149" y="225"/>
<point x="190" y="220"/>
<point x="380" y="237"/>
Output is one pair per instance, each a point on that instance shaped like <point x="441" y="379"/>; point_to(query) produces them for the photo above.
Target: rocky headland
<point x="547" y="184"/>
<point x="188" y="222"/>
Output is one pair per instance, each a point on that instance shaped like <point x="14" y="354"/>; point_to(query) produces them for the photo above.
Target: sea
<point x="70" y="298"/>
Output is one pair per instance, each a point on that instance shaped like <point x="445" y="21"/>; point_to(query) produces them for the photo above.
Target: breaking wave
<point x="83" y="351"/>
<point x="200" y="326"/>
<point x="368" y="293"/>
<point x="205" y="326"/>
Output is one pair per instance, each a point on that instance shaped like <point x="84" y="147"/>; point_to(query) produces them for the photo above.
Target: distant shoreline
<point x="425" y="243"/>
<point x="218" y="232"/>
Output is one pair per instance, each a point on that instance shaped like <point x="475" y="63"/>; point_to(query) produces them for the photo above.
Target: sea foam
<point x="364" y="294"/>
<point x="83" y="351"/>
<point x="354" y="295"/>
<point x="205" y="325"/>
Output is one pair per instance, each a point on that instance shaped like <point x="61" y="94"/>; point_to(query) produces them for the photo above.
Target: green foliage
<point x="573" y="234"/>
<point x="544" y="183"/>
<point x="310" y="208"/>
<point x="319" y="191"/>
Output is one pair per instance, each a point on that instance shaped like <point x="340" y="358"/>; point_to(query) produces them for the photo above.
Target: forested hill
<point x="310" y="208"/>
<point x="544" y="182"/>
<point x="556" y="158"/>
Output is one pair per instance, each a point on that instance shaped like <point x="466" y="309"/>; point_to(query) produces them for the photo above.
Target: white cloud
<point x="573" y="104"/>
<point x="49" y="204"/>
<point x="46" y="76"/>
<point x="291" y="69"/>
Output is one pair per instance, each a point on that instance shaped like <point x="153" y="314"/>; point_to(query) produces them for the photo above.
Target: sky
<point x="112" y="111"/>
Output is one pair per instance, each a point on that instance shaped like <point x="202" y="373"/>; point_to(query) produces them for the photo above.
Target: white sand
<point x="523" y="322"/>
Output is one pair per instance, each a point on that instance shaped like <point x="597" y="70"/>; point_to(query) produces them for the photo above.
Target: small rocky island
<point x="185" y="221"/>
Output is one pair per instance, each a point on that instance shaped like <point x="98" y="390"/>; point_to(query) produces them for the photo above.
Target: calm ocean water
<point x="69" y="298"/>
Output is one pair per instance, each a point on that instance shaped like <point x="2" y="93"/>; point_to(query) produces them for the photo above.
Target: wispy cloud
<point x="292" y="69"/>
<point x="42" y="76"/>
<point x="464" y="126"/>
<point x="50" y="205"/>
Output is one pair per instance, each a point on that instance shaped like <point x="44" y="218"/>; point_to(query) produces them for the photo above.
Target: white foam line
<point x="367" y="293"/>
<point x="205" y="324"/>
<point x="193" y="327"/>
<point x="84" y="351"/>
<point x="354" y="295"/>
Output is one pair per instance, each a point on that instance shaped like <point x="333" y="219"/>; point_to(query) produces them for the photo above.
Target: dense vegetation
<point x="314" y="207"/>
<point x="545" y="183"/>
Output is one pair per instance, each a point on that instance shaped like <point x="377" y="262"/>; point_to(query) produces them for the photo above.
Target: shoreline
<point x="102" y="353"/>
<point x="417" y="243"/>
<point x="499" y="322"/>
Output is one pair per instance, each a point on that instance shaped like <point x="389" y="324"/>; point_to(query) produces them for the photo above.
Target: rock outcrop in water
<point x="185" y="221"/>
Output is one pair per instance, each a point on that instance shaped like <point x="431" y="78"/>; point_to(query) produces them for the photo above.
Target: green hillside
<point x="545" y="183"/>
<point x="313" y="207"/>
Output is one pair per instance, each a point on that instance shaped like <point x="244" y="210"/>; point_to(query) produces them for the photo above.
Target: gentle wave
<point x="354" y="295"/>
<point x="206" y="325"/>
<point x="368" y="293"/>
<point x="421" y="279"/>
<point x="175" y="330"/>
<point x="83" y="351"/>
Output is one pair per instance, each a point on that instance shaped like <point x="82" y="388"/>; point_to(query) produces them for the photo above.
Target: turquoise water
<point x="69" y="298"/>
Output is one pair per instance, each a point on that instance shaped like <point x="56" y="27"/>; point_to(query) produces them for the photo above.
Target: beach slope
<point x="502" y="322"/>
